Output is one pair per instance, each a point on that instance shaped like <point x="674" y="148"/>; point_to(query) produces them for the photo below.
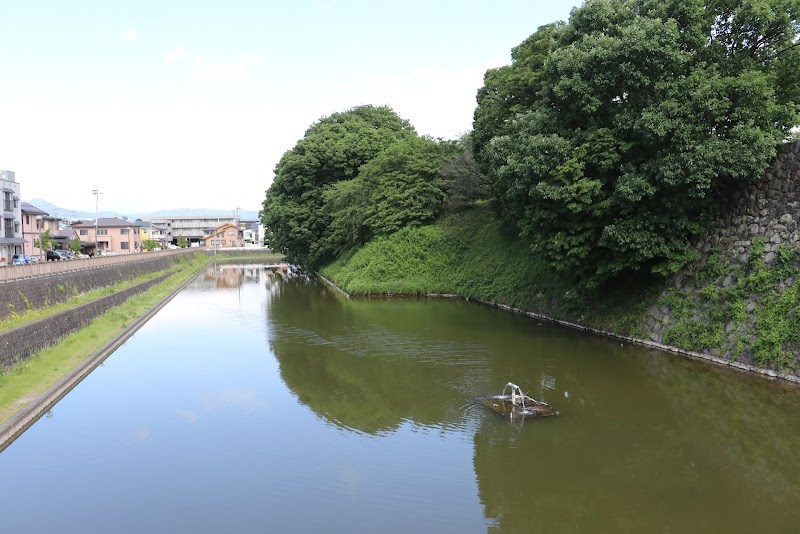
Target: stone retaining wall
<point x="768" y="208"/>
<point x="766" y="211"/>
<point x="22" y="342"/>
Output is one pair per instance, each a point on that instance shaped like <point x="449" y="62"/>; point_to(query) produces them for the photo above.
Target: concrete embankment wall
<point x="27" y="294"/>
<point x="24" y="341"/>
<point x="20" y="296"/>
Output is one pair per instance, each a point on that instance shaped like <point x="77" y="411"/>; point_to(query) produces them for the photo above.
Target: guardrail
<point x="12" y="272"/>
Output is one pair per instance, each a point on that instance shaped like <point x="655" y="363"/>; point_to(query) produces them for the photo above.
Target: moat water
<point x="256" y="402"/>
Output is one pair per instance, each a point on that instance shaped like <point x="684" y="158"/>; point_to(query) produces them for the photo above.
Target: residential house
<point x="11" y="239"/>
<point x="114" y="235"/>
<point x="35" y="222"/>
<point x="153" y="231"/>
<point x="223" y="236"/>
<point x="252" y="233"/>
<point x="64" y="237"/>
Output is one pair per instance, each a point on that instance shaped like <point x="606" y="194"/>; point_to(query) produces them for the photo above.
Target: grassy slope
<point x="470" y="254"/>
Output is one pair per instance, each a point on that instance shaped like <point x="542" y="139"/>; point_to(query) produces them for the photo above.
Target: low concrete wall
<point x="12" y="273"/>
<point x="22" y="295"/>
<point x="22" y="342"/>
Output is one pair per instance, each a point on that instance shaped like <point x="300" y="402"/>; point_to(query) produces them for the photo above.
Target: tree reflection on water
<point x="644" y="440"/>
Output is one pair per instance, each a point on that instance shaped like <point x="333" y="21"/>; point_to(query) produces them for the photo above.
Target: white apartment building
<point x="192" y="227"/>
<point x="11" y="239"/>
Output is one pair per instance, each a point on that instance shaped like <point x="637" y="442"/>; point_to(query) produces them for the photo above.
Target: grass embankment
<point x="33" y="376"/>
<point x="472" y="255"/>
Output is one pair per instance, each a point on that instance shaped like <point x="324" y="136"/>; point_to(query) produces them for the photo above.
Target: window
<point x="7" y="201"/>
<point x="123" y="231"/>
<point x="230" y="232"/>
<point x="102" y="231"/>
<point x="83" y="232"/>
<point x="213" y="242"/>
<point x="222" y="242"/>
<point x="124" y="246"/>
<point x="27" y="219"/>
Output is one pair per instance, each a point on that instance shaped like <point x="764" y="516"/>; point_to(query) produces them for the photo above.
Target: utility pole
<point x="96" y="194"/>
<point x="238" y="241"/>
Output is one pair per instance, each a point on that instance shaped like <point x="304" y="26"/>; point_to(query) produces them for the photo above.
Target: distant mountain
<point x="65" y="213"/>
<point x="243" y="214"/>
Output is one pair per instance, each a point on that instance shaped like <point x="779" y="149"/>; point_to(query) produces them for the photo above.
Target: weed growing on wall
<point x="25" y="300"/>
<point x="737" y="310"/>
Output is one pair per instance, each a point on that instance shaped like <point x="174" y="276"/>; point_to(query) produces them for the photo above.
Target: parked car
<point x="22" y="259"/>
<point x="55" y="255"/>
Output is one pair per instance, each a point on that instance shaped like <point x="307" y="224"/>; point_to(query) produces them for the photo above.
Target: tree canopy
<point x="400" y="187"/>
<point x="333" y="149"/>
<point x="610" y="139"/>
<point x="355" y="175"/>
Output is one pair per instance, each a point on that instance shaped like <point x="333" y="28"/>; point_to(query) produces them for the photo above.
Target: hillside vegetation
<point x="598" y="158"/>
<point x="471" y="255"/>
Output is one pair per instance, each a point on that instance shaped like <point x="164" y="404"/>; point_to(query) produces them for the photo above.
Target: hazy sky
<point x="172" y="104"/>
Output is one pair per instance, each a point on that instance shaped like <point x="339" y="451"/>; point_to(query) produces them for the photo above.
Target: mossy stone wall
<point x="740" y="300"/>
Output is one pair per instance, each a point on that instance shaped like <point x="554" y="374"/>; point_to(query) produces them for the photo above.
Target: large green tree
<point x="511" y="89"/>
<point x="332" y="150"/>
<point x="647" y="112"/>
<point x="401" y="186"/>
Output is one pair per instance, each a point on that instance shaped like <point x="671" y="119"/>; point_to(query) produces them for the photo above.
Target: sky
<point x="169" y="104"/>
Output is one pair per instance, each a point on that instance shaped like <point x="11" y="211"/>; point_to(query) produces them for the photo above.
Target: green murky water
<point x="258" y="403"/>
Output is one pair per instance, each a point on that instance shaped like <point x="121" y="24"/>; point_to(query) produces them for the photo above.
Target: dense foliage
<point x="355" y="175"/>
<point x="400" y="187"/>
<point x="332" y="150"/>
<point x="463" y="253"/>
<point x="609" y="139"/>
